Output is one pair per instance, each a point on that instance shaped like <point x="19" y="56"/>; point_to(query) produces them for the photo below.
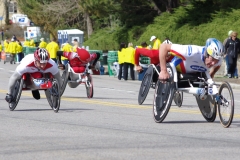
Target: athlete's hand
<point x="138" y="68"/>
<point x="163" y="76"/>
<point x="61" y="66"/>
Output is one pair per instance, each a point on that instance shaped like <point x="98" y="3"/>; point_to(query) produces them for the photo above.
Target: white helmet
<point x="214" y="48"/>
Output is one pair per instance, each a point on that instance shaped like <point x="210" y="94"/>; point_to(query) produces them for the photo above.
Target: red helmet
<point x="41" y="55"/>
<point x="83" y="55"/>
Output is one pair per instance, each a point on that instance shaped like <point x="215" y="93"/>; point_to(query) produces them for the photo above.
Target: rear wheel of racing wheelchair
<point x="53" y="96"/>
<point x="65" y="76"/>
<point x="89" y="86"/>
<point x="207" y="107"/>
<point x="145" y="85"/>
<point x="226" y="105"/>
<point x="163" y="97"/>
<point x="16" y="93"/>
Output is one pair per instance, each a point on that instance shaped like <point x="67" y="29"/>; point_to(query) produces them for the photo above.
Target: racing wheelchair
<point x="149" y="81"/>
<point x="207" y="100"/>
<point x="47" y="83"/>
<point x="73" y="79"/>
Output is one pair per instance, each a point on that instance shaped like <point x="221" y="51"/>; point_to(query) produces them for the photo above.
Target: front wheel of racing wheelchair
<point x="147" y="82"/>
<point x="225" y="104"/>
<point x="53" y="96"/>
<point x="16" y="93"/>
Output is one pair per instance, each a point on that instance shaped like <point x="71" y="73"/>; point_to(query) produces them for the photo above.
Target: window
<point x="12" y="7"/>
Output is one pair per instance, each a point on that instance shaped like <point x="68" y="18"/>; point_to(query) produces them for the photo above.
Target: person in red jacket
<point x="79" y="59"/>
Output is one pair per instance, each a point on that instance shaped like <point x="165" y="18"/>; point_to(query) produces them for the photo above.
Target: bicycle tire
<point x="55" y="96"/>
<point x="226" y="118"/>
<point x="162" y="90"/>
<point x="208" y="108"/>
<point x="145" y="85"/>
<point x="17" y="91"/>
<point x="89" y="87"/>
<point x="65" y="76"/>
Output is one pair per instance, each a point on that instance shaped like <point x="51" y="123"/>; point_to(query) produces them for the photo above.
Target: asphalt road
<point x="111" y="125"/>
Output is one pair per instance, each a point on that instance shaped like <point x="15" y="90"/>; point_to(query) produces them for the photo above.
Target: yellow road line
<point x="92" y="101"/>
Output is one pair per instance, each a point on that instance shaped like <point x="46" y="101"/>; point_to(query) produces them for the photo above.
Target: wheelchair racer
<point x="193" y="58"/>
<point x="79" y="59"/>
<point x="36" y="63"/>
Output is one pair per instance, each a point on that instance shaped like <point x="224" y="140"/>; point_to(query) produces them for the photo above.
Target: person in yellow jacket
<point x="156" y="42"/>
<point x="75" y="45"/>
<point x="12" y="49"/>
<point x="121" y="56"/>
<point x="26" y="43"/>
<point x="52" y="49"/>
<point x="42" y="44"/>
<point x="5" y="45"/>
<point x="19" y="51"/>
<point x="129" y="62"/>
<point x="66" y="47"/>
<point x="32" y="43"/>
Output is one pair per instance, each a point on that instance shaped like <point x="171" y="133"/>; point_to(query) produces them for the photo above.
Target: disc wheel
<point x="145" y="85"/>
<point x="89" y="86"/>
<point x="208" y="108"/>
<point x="226" y="104"/>
<point x="16" y="93"/>
<point x="178" y="98"/>
<point x="64" y="77"/>
<point x="163" y="97"/>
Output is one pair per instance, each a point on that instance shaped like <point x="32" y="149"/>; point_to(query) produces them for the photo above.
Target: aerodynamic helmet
<point x="41" y="55"/>
<point x="214" y="48"/>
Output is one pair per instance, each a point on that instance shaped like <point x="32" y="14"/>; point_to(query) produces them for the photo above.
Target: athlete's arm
<point x="15" y="76"/>
<point x="163" y="53"/>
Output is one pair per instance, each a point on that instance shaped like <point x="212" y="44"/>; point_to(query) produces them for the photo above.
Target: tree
<point x="6" y="7"/>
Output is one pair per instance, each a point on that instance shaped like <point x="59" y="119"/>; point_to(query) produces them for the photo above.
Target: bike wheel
<point x="16" y="93"/>
<point x="178" y="98"/>
<point x="208" y="108"/>
<point x="55" y="96"/>
<point x="145" y="85"/>
<point x="226" y="105"/>
<point x="89" y="86"/>
<point x="48" y="97"/>
<point x="64" y="77"/>
<point x="163" y="97"/>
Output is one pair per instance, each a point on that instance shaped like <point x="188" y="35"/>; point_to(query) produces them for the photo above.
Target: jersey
<point x="27" y="65"/>
<point x="189" y="58"/>
<point x="79" y="58"/>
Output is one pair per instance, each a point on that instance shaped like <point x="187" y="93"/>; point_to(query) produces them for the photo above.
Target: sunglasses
<point x="234" y="36"/>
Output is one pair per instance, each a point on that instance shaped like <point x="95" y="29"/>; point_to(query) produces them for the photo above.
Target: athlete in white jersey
<point x="192" y="58"/>
<point x="34" y="63"/>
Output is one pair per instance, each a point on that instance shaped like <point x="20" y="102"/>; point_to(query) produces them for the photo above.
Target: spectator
<point x="75" y="45"/>
<point x="2" y="34"/>
<point x="19" y="51"/>
<point x="156" y="42"/>
<point x="226" y="56"/>
<point x="12" y="49"/>
<point x="121" y="59"/>
<point x="26" y="43"/>
<point x="52" y="48"/>
<point x="32" y="43"/>
<point x="129" y="62"/>
<point x="66" y="47"/>
<point x="167" y="41"/>
<point x="232" y="49"/>
<point x="42" y="44"/>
